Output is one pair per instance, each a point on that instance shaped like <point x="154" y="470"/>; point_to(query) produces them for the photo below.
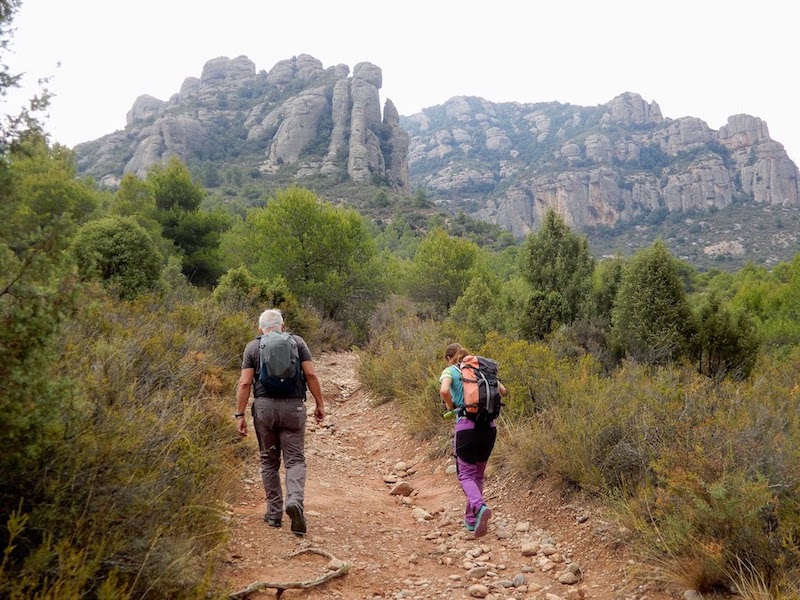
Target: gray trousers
<point x="280" y="426"/>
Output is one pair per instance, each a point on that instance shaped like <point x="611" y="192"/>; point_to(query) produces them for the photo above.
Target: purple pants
<point x="472" y="447"/>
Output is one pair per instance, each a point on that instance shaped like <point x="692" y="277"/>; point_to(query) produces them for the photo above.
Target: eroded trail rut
<point x="416" y="546"/>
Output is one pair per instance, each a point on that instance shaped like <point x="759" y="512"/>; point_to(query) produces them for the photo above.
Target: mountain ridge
<point x="604" y="168"/>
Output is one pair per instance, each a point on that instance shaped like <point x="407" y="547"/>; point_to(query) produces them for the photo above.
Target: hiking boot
<point x="470" y="527"/>
<point x="272" y="522"/>
<point x="295" y="512"/>
<point x="482" y="522"/>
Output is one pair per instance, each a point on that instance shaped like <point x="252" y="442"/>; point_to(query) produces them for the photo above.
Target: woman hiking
<point x="473" y="443"/>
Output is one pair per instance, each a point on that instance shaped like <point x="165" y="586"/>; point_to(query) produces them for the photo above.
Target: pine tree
<point x="652" y="320"/>
<point x="556" y="260"/>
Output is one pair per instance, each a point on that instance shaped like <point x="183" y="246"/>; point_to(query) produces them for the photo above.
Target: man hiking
<point x="279" y="413"/>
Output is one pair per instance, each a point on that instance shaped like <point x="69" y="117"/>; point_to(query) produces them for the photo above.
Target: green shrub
<point x="475" y="314"/>
<point x="119" y="252"/>
<point x="721" y="505"/>
<point x="127" y="497"/>
<point x="240" y="290"/>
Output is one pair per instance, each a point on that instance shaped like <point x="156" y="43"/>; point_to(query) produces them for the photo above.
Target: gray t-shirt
<point x="250" y="360"/>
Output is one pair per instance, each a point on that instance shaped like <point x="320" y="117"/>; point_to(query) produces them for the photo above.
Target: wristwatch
<point x="237" y="415"/>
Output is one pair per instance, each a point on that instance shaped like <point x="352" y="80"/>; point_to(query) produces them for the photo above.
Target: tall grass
<point x="403" y="363"/>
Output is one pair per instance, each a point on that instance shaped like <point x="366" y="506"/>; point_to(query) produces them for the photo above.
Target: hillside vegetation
<point x="669" y="393"/>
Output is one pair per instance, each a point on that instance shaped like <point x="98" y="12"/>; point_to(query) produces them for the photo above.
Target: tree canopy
<point x="554" y="259"/>
<point x="325" y="253"/>
<point x="194" y="232"/>
<point x="651" y="318"/>
<point x="120" y="253"/>
<point x="441" y="269"/>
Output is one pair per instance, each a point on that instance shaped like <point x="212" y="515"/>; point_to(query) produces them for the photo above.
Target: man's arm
<point x="316" y="390"/>
<point x="242" y="396"/>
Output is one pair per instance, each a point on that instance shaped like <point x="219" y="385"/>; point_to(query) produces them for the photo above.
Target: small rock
<point x="568" y="578"/>
<point x="478" y="591"/>
<point x="421" y="514"/>
<point x="335" y="564"/>
<point x="477" y="572"/>
<point x="402" y="488"/>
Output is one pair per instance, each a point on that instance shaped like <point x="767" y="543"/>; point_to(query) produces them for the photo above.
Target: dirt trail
<point x="415" y="546"/>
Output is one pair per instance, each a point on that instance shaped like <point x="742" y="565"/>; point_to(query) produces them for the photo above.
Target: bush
<point x="705" y="471"/>
<point x="240" y="290"/>
<point x="119" y="252"/>
<point x="127" y="497"/>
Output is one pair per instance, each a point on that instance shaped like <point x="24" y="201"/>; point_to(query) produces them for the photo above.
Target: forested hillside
<point x="669" y="393"/>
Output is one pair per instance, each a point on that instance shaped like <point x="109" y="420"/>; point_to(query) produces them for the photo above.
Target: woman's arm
<point x="444" y="392"/>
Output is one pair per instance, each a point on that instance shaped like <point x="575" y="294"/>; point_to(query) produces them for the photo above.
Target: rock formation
<point x="506" y="163"/>
<point x="593" y="165"/>
<point x="303" y="117"/>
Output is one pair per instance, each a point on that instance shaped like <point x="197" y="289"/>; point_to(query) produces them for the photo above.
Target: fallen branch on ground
<point x="281" y="587"/>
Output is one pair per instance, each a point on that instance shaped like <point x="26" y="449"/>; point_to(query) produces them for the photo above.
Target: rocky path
<point x="411" y="544"/>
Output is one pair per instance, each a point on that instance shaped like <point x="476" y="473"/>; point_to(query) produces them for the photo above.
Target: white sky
<point x="702" y="58"/>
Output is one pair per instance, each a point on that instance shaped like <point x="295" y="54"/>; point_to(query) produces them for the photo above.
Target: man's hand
<point x="241" y="426"/>
<point x="319" y="413"/>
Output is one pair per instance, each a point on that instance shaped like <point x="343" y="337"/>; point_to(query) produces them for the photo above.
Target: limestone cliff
<point x="299" y="117"/>
<point x="508" y="163"/>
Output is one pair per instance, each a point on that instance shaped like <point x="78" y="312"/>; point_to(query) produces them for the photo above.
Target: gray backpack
<point x="279" y="371"/>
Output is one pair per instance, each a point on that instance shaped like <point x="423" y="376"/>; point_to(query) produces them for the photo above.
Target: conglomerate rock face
<point x="320" y="121"/>
<point x="599" y="165"/>
<point x="506" y="163"/>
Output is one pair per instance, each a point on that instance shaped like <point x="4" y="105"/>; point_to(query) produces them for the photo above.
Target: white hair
<point x="270" y="319"/>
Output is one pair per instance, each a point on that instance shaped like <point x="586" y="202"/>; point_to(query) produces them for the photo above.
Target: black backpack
<point x="279" y="371"/>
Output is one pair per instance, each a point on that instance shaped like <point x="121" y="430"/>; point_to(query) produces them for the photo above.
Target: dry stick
<point x="281" y="587"/>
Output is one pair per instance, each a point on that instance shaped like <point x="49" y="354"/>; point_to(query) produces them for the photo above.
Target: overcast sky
<point x="702" y="58"/>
